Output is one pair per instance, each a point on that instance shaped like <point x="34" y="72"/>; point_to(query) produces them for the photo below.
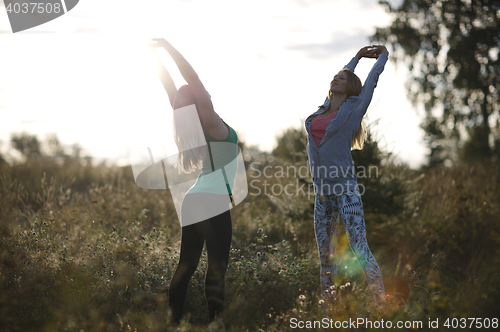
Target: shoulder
<point x="351" y="102"/>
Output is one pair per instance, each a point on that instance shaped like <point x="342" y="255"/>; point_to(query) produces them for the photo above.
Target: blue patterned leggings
<point x="326" y="224"/>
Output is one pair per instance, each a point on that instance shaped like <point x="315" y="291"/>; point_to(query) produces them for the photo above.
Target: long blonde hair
<point x="188" y="132"/>
<point x="354" y="87"/>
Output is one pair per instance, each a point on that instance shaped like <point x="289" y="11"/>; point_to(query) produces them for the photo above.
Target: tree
<point x="27" y="145"/>
<point x="452" y="47"/>
<point x="291" y="145"/>
<point x="383" y="193"/>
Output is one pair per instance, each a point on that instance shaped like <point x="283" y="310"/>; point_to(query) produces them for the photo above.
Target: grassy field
<point x="82" y="248"/>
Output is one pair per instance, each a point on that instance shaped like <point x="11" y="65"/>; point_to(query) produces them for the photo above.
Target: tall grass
<point x="83" y="248"/>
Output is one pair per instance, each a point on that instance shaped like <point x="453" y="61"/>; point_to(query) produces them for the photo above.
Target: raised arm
<point x="165" y="78"/>
<point x="208" y="117"/>
<point x="184" y="67"/>
<point x="381" y="54"/>
<point x="188" y="73"/>
<point x="365" y="52"/>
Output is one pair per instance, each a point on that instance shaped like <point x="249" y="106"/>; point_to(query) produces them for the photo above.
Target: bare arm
<point x="188" y="73"/>
<point x="204" y="102"/>
<point x="165" y="78"/>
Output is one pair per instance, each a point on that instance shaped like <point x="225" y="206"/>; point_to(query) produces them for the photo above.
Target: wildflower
<point x="259" y="230"/>
<point x="293" y="263"/>
<point x="342" y="287"/>
<point x="242" y="257"/>
<point x="124" y="239"/>
<point x="332" y="287"/>
<point x="154" y="229"/>
<point x="302" y="297"/>
<point x="67" y="237"/>
<point x="259" y="254"/>
<point x="95" y="253"/>
<point x="348" y="284"/>
<point x="264" y="264"/>
<point x="252" y="257"/>
<point x="321" y="302"/>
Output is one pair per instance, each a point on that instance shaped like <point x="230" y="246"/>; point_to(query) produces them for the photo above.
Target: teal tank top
<point x="218" y="166"/>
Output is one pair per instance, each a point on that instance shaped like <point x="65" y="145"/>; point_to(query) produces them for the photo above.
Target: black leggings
<point x="217" y="231"/>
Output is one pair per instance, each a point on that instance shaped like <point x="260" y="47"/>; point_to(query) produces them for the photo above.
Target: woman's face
<point x="339" y="83"/>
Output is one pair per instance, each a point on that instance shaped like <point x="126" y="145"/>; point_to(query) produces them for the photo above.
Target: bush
<point x="100" y="255"/>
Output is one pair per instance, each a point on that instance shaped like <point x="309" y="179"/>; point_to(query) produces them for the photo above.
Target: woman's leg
<point x="191" y="247"/>
<point x="218" y="232"/>
<point x="326" y="223"/>
<point x="351" y="210"/>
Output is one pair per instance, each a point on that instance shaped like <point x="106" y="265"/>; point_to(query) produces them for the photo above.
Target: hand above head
<point x="380" y="49"/>
<point x="152" y="47"/>
<point x="372" y="51"/>
<point x="160" y="42"/>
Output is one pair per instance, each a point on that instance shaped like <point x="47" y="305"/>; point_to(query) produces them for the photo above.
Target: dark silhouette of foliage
<point x="291" y="145"/>
<point x="452" y="47"/>
<point x="100" y="258"/>
<point x="383" y="191"/>
<point x="27" y="145"/>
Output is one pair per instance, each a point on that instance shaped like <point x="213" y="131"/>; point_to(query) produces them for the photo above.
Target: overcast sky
<point x="88" y="77"/>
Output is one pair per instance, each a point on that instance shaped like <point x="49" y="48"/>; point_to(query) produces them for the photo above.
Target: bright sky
<point x="88" y="77"/>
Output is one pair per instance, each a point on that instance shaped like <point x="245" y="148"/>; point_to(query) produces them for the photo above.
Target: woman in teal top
<point x="205" y="143"/>
<point x="219" y="166"/>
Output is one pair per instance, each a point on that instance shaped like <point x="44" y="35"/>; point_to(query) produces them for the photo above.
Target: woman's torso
<point x="219" y="165"/>
<point x="330" y="157"/>
<point x="318" y="127"/>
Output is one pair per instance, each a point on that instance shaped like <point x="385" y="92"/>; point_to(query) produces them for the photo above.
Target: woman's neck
<point x="335" y="103"/>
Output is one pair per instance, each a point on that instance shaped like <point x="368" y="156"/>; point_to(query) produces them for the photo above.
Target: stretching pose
<point x="205" y="212"/>
<point x="334" y="130"/>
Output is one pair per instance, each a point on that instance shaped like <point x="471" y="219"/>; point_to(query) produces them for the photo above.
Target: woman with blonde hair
<point x="334" y="130"/>
<point x="206" y="144"/>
